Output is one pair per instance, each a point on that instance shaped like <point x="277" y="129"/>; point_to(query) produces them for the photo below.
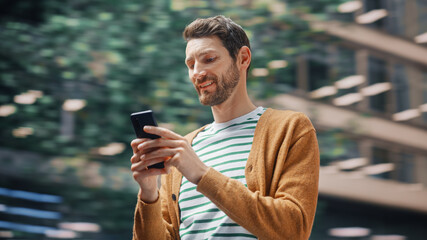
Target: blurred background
<point x="72" y="71"/>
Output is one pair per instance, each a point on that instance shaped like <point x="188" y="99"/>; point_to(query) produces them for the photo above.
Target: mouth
<point x="206" y="84"/>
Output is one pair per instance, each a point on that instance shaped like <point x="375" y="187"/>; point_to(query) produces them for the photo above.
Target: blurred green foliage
<point x="123" y="57"/>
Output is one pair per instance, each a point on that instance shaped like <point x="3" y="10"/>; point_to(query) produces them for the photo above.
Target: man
<point x="252" y="173"/>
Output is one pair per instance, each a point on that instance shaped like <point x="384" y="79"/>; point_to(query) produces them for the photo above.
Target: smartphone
<point x="141" y="119"/>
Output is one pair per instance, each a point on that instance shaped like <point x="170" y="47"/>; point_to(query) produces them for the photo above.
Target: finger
<point x="148" y="173"/>
<point x="162" y="143"/>
<point x="145" y="150"/>
<point x="134" y="144"/>
<point x="164" y="153"/>
<point x="136" y="157"/>
<point x="143" y="165"/>
<point x="168" y="166"/>
<point x="162" y="132"/>
<point x="138" y="166"/>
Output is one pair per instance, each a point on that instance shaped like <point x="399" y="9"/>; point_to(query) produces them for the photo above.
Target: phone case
<point x="141" y="119"/>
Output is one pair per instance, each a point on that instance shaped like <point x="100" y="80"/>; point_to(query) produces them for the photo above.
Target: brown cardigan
<point x="282" y="174"/>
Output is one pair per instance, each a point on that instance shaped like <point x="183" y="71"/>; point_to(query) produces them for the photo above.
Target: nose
<point x="198" y="72"/>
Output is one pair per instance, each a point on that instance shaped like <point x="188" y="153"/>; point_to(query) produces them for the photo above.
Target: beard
<point x="225" y="85"/>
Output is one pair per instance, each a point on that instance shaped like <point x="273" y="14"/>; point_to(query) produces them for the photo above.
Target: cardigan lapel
<point x="176" y="185"/>
<point x="177" y="176"/>
<point x="255" y="165"/>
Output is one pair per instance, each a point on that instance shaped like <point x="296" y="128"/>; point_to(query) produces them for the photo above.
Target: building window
<point x="380" y="156"/>
<point x="395" y="20"/>
<point x="336" y="146"/>
<point x="424" y="114"/>
<point x="345" y="63"/>
<point x="286" y="76"/>
<point x="422" y="16"/>
<point x="401" y="88"/>
<point x="317" y="71"/>
<point x="370" y="5"/>
<point x="404" y="168"/>
<point x="377" y="73"/>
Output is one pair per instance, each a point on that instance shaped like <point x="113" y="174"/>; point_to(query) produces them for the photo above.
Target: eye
<point x="210" y="59"/>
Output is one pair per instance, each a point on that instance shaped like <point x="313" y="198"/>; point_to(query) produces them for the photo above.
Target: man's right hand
<point x="146" y="178"/>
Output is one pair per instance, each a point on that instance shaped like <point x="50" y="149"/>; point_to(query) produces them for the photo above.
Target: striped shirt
<point x="224" y="147"/>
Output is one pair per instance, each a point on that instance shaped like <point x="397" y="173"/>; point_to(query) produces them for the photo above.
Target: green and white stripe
<point x="224" y="147"/>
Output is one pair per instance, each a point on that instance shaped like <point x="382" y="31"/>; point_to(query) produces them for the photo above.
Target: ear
<point x="244" y="58"/>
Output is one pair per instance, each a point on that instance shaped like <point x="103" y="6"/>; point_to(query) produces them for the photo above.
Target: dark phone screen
<point x="141" y="119"/>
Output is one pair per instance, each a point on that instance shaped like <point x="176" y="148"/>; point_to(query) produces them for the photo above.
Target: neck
<point x="238" y="104"/>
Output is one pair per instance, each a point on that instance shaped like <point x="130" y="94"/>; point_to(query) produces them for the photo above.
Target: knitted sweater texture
<point x="282" y="174"/>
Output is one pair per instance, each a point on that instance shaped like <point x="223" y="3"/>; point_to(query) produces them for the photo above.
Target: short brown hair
<point x="232" y="35"/>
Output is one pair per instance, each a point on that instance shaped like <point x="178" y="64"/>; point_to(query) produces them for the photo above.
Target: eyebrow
<point x="203" y="52"/>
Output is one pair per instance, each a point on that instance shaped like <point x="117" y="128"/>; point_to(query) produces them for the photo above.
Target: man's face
<point x="212" y="71"/>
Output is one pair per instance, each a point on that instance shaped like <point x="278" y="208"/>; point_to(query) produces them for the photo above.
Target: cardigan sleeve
<point x="288" y="212"/>
<point x="152" y="221"/>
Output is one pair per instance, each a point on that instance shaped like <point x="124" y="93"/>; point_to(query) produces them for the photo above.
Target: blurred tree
<point x="122" y="57"/>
